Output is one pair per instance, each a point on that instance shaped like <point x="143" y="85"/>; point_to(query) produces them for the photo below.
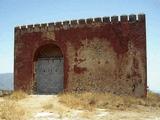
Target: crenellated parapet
<point x="81" y="22"/>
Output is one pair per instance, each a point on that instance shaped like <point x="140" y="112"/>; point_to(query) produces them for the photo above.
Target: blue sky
<point x="23" y="12"/>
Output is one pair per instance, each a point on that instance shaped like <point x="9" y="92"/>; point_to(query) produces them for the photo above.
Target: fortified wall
<point x="102" y="54"/>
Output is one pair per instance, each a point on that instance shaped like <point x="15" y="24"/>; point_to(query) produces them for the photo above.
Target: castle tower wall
<point x="100" y="54"/>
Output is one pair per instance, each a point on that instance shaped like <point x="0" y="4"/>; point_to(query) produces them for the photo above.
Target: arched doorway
<point x="49" y="70"/>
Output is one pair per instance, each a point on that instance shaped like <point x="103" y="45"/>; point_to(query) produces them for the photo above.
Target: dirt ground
<point x="48" y="107"/>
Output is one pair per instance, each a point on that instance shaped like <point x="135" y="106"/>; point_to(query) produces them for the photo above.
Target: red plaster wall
<point x="99" y="55"/>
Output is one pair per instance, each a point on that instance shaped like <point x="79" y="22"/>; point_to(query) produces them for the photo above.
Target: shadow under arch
<point x="48" y="69"/>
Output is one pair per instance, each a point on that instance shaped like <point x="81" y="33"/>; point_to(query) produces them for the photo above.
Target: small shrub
<point x="18" y="95"/>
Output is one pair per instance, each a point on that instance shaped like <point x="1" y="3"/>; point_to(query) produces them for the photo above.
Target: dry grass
<point x="87" y="114"/>
<point x="10" y="110"/>
<point x="152" y="99"/>
<point x="48" y="106"/>
<point x="17" y="95"/>
<point x="89" y="100"/>
<point x="56" y="108"/>
<point x="78" y="100"/>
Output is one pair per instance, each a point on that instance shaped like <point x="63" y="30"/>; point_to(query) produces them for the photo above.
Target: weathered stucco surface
<point x="99" y="54"/>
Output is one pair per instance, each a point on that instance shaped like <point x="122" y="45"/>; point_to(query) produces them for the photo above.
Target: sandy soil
<point x="34" y="106"/>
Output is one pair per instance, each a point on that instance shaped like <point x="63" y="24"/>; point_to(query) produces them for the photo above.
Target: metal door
<point x="49" y="75"/>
